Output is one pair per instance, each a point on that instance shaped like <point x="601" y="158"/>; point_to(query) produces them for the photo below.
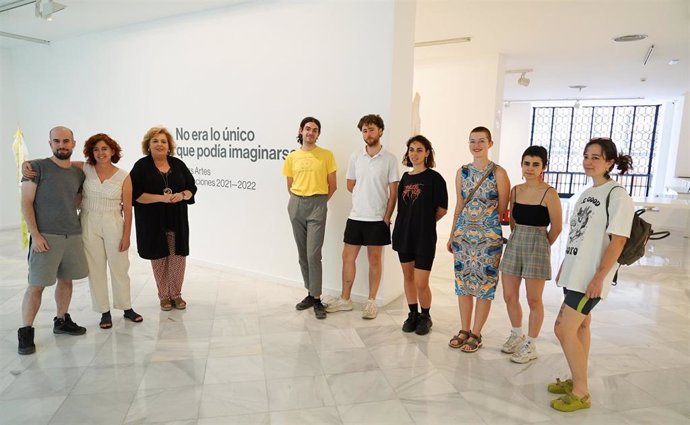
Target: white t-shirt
<point x="589" y="236"/>
<point x="373" y="175"/>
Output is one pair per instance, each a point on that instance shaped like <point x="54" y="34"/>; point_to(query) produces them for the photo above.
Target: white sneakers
<point x="521" y="349"/>
<point x="339" y="304"/>
<point x="512" y="344"/>
<point x="527" y="352"/>
<point x="370" y="310"/>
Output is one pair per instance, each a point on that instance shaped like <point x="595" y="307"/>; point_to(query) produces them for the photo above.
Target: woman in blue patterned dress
<point x="476" y="240"/>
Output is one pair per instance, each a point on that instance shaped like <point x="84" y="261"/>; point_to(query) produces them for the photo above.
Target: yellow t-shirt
<point x="309" y="171"/>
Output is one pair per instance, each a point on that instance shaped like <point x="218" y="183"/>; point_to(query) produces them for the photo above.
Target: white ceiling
<point x="87" y="16"/>
<point x="566" y="42"/>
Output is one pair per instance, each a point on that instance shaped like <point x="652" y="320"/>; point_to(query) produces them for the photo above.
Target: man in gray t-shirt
<point x="49" y="204"/>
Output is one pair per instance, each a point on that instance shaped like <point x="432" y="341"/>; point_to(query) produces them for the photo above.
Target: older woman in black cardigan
<point x="162" y="187"/>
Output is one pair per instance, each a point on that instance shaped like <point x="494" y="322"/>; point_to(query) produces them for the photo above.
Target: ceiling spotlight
<point x="630" y="37"/>
<point x="46" y="8"/>
<point x="579" y="88"/>
<point x="523" y="81"/>
<point x="673" y="61"/>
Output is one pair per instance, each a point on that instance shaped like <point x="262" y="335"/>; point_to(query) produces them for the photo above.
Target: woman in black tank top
<point x="535" y="224"/>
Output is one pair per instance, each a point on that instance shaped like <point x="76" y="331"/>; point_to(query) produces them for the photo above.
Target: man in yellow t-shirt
<point x="311" y="182"/>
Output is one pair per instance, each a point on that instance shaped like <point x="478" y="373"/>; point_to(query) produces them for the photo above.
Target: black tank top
<point x="531" y="215"/>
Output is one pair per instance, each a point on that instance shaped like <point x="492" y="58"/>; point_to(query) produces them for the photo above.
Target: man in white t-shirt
<point x="372" y="177"/>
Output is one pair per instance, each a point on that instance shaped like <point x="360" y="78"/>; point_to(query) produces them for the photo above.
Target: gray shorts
<point x="64" y="260"/>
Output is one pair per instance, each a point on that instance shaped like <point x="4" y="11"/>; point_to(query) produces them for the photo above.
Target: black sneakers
<point x="26" y="340"/>
<point x="307" y="302"/>
<point x="319" y="310"/>
<point x="67" y="326"/>
<point x="423" y="324"/>
<point x="411" y="323"/>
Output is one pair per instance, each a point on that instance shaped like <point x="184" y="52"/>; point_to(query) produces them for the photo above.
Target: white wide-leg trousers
<point x="101" y="233"/>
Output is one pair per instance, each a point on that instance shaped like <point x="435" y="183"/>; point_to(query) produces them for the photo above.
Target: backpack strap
<point x="608" y="198"/>
<point x="654" y="236"/>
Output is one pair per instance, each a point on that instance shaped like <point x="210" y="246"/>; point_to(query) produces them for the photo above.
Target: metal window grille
<point x="565" y="131"/>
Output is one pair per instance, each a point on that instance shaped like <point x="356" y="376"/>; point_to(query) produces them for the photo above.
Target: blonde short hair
<point x="154" y="131"/>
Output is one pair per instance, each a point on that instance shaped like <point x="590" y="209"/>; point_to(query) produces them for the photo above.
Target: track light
<point x="523" y="81"/>
<point x="579" y="88"/>
<point x="46" y="8"/>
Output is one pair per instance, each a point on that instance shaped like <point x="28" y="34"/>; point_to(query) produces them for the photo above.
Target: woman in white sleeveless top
<point x="106" y="220"/>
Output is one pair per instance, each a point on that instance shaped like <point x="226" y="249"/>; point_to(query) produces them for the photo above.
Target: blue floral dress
<point x="478" y="238"/>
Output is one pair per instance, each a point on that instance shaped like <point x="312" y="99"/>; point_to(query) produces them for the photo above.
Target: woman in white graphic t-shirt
<point x="595" y="242"/>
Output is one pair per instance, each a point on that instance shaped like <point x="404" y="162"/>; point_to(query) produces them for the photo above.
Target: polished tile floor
<point x="241" y="354"/>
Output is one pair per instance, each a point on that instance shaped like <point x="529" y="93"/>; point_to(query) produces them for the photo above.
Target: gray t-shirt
<point x="56" y="192"/>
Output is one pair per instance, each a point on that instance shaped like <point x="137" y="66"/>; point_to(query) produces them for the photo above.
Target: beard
<point x="371" y="142"/>
<point x="62" y="154"/>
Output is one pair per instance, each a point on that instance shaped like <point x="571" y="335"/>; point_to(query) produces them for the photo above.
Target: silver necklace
<point x="166" y="189"/>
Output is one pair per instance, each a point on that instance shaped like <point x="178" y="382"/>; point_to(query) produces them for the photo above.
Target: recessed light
<point x="673" y="61"/>
<point x="630" y="37"/>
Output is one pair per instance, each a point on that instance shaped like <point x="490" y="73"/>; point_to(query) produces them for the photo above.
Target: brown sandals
<point x="472" y="344"/>
<point x="179" y="303"/>
<point x="166" y="304"/>
<point x="460" y="339"/>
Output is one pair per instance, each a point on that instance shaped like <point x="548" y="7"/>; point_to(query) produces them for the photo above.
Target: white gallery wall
<point x="682" y="166"/>
<point x="457" y="95"/>
<point x="9" y="208"/>
<point x="253" y="68"/>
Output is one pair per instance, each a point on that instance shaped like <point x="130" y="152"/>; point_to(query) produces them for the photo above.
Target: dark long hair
<point x="608" y="148"/>
<point x="429" y="160"/>
<point x="303" y="123"/>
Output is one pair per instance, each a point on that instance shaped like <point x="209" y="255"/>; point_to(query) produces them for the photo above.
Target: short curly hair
<point x="370" y="119"/>
<point x="154" y="131"/>
<point x="93" y="141"/>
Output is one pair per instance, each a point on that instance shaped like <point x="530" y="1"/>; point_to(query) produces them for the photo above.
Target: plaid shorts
<point x="528" y="253"/>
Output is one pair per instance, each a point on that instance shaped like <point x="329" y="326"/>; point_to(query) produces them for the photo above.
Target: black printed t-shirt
<point x="419" y="196"/>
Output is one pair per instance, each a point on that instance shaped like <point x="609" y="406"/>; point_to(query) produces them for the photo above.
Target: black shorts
<point x="367" y="233"/>
<point x="579" y="301"/>
<point x="421" y="263"/>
